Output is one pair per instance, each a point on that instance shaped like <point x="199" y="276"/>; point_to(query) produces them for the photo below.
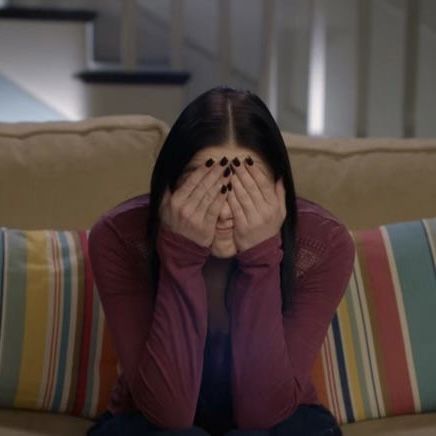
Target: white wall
<point x="41" y="57"/>
<point x="18" y="105"/>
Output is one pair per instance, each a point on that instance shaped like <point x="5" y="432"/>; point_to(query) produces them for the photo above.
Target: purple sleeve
<point x="160" y="350"/>
<point x="273" y="354"/>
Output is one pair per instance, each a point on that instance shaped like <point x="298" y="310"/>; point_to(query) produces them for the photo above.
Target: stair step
<point x="143" y="76"/>
<point x="48" y="14"/>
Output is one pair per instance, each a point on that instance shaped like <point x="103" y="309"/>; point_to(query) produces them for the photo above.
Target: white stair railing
<point x="177" y="32"/>
<point x="268" y="80"/>
<point x="224" y="41"/>
<point x="411" y="67"/>
<point x="317" y="69"/>
<point x="363" y="59"/>
<point x="267" y="85"/>
<point x="128" y="34"/>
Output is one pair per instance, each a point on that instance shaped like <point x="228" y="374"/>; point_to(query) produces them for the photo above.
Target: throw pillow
<point x="55" y="351"/>
<point x="379" y="355"/>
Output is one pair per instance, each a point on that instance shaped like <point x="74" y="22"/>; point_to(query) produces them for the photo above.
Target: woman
<point x="219" y="286"/>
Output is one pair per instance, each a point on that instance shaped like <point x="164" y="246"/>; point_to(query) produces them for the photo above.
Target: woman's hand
<point x="192" y="209"/>
<point x="258" y="206"/>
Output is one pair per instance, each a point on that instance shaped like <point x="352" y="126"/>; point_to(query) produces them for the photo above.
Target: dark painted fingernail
<point x="223" y="189"/>
<point x="229" y="186"/>
<point x="227" y="172"/>
<point x="233" y="170"/>
<point x="236" y="161"/>
<point x="209" y="162"/>
<point x="249" y="160"/>
<point x="223" y="161"/>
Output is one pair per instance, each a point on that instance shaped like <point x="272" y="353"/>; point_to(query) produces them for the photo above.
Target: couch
<point x="57" y="178"/>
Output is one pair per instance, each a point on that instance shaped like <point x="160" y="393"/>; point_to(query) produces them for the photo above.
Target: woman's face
<point x="223" y="245"/>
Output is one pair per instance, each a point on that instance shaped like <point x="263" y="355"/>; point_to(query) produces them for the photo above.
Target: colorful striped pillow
<point x="377" y="359"/>
<point x="379" y="356"/>
<point x="55" y="353"/>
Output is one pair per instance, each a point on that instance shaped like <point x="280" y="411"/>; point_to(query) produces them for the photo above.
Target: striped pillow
<point x="55" y="353"/>
<point x="377" y="359"/>
<point x="379" y="355"/>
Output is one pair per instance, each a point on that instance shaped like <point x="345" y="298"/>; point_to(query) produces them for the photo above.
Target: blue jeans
<point x="307" y="420"/>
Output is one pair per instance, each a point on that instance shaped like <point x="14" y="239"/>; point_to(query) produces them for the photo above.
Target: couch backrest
<point x="65" y="174"/>
<point x="366" y="181"/>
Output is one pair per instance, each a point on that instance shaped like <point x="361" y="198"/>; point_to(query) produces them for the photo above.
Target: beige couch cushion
<point x="367" y="182"/>
<point x="63" y="175"/>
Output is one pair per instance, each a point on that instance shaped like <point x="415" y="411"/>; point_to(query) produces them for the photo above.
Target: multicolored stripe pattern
<point x="379" y="355"/>
<point x="55" y="354"/>
<point x="378" y="358"/>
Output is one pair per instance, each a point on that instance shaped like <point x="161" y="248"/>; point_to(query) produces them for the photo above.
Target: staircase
<point x="48" y="70"/>
<point x="341" y="70"/>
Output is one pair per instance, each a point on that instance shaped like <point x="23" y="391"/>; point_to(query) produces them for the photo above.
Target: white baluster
<point x="128" y="37"/>
<point x="411" y="51"/>
<point x="363" y="59"/>
<point x="224" y="42"/>
<point x="268" y="80"/>
<point x="317" y="69"/>
<point x="176" y="33"/>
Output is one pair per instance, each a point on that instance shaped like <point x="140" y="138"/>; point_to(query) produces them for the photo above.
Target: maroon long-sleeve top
<point x="262" y="367"/>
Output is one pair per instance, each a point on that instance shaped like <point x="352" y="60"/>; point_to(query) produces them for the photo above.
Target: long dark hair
<point x="212" y="119"/>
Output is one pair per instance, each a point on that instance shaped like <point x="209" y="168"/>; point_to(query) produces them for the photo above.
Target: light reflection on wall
<point x="317" y="70"/>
